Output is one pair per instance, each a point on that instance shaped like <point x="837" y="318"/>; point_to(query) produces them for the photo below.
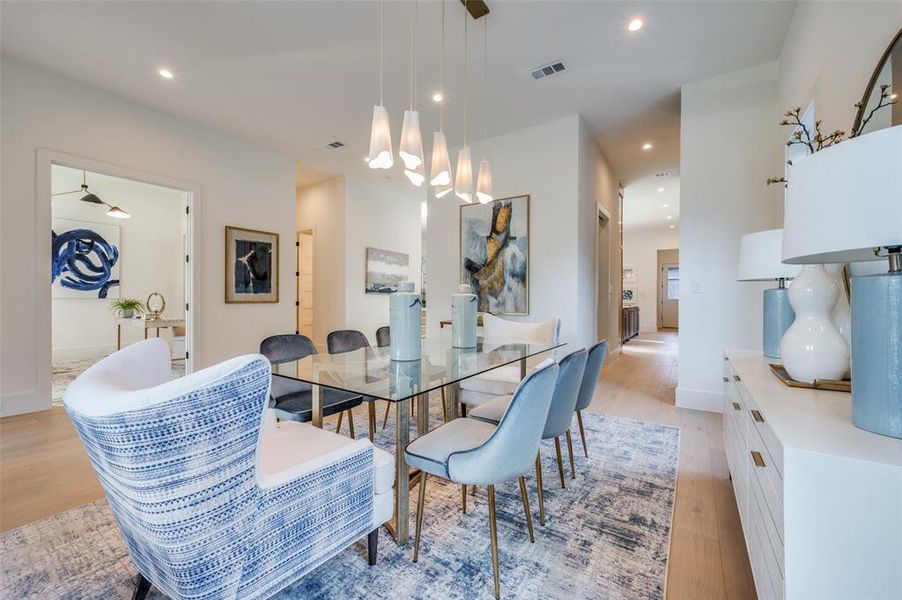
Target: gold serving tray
<point x="833" y="385"/>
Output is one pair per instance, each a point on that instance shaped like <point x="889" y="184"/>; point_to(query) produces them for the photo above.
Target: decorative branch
<point x="885" y="96"/>
<point x="773" y="180"/>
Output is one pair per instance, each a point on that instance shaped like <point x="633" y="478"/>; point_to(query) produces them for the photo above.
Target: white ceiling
<point x="645" y="208"/>
<point x="298" y="75"/>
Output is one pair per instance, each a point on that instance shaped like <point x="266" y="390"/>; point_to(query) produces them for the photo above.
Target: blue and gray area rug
<point x="607" y="535"/>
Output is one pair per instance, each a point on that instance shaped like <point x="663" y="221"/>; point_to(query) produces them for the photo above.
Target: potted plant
<point x="126" y="308"/>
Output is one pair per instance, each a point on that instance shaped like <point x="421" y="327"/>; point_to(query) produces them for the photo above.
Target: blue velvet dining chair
<point x="383" y="337"/>
<point x="472" y="452"/>
<point x="597" y="354"/>
<point x="348" y="340"/>
<point x="292" y="400"/>
<point x="557" y="423"/>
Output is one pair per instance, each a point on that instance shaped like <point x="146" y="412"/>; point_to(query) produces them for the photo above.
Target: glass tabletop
<point x="371" y="372"/>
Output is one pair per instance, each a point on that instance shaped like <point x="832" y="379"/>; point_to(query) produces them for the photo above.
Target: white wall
<point x="241" y="184"/>
<point x="729" y="146"/>
<point x="545" y="162"/>
<point x="640" y="250"/>
<point x="151" y="258"/>
<point x="350" y="214"/>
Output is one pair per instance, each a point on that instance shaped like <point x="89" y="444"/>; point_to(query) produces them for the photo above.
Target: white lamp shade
<point x="760" y="257"/>
<point x="463" y="182"/>
<point x="411" y="147"/>
<point x="484" y="182"/>
<point x="415" y="176"/>
<point x="844" y="201"/>
<point x="442" y="191"/>
<point x="380" y="156"/>
<point x="440" y="175"/>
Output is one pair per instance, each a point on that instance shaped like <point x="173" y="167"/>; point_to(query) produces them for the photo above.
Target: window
<point x="673" y="283"/>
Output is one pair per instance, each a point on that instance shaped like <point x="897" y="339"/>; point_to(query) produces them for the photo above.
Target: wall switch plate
<point x="696" y="287"/>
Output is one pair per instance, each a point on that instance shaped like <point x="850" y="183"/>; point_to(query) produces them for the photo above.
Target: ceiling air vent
<point x="548" y="70"/>
<point x="335" y="145"/>
<point x="662" y="174"/>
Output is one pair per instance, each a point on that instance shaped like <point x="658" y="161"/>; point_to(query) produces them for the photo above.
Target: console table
<point x="820" y="500"/>
<point x="630" y="324"/>
<point x="145" y="324"/>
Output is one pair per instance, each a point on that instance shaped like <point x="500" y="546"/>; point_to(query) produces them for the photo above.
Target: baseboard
<point x="613" y="356"/>
<point x="699" y="399"/>
<point x="23" y="402"/>
<point x="82" y="352"/>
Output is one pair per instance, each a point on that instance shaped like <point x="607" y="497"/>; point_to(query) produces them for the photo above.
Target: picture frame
<point x="251" y="266"/>
<point x="479" y="223"/>
<point x="384" y="270"/>
<point x="629" y="274"/>
<point x="630" y="295"/>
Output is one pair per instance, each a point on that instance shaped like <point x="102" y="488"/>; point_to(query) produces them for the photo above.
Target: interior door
<point x="305" y="283"/>
<point x="669" y="286"/>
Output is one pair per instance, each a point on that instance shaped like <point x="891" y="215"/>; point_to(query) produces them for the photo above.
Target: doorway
<point x="603" y="288"/>
<point x="304" y="302"/>
<point x="668" y="289"/>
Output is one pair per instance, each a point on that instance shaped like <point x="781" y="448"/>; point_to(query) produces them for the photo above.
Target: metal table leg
<point x="118" y="336"/>
<point x="317" y="408"/>
<point x="402" y="472"/>
<point x="422" y="414"/>
<point x="522" y="368"/>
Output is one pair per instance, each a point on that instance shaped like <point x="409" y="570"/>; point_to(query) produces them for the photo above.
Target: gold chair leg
<point x="560" y="460"/>
<point x="493" y="530"/>
<point x="371" y="413"/>
<point x="444" y="403"/>
<point x="582" y="432"/>
<point x="570" y="452"/>
<point x="473" y="491"/>
<point x="421" y="501"/>
<point x="525" y="497"/>
<point x="338" y="427"/>
<point x="541" y="492"/>
<point x="351" y="424"/>
<point x="463" y="498"/>
<point x="387" y="410"/>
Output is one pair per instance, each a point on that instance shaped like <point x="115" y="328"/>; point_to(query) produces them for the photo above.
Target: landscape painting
<point x="84" y="259"/>
<point x="252" y="266"/>
<point x="385" y="270"/>
<point x="494" y="254"/>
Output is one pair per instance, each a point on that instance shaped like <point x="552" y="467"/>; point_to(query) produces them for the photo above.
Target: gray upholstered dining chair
<point x="383" y="336"/>
<point x="587" y="388"/>
<point x="348" y="340"/>
<point x="472" y="452"/>
<point x="292" y="400"/>
<point x="557" y="423"/>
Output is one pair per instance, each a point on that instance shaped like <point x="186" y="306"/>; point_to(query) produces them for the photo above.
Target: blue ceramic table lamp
<point x="760" y="259"/>
<point x="844" y="204"/>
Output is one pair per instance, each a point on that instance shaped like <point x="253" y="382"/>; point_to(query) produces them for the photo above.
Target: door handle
<point x="726" y="380"/>
<point x="736" y="406"/>
<point x="736" y="378"/>
<point x="758" y="459"/>
<point x="757" y="416"/>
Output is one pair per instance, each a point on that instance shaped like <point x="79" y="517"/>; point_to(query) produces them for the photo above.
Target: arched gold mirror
<point x="873" y="114"/>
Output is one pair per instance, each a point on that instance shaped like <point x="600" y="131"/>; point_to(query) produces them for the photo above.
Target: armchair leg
<point x="338" y="427"/>
<point x="142" y="586"/>
<point x="463" y="410"/>
<point x="582" y="432"/>
<point x="371" y="413"/>
<point x="387" y="410"/>
<point x="372" y="546"/>
<point x="570" y="452"/>
<point x="525" y="497"/>
<point x="560" y="460"/>
<point x="493" y="530"/>
<point x="463" y="499"/>
<point x="351" y="424"/>
<point x="421" y="501"/>
<point x="541" y="492"/>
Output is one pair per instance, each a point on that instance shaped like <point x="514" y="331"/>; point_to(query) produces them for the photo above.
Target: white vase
<point x="841" y="316"/>
<point x="812" y="348"/>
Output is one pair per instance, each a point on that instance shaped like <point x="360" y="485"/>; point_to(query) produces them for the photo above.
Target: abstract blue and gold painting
<point x="84" y="259"/>
<point x="252" y="266"/>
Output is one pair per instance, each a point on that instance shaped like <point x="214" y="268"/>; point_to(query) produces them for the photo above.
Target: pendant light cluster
<point x="411" y="144"/>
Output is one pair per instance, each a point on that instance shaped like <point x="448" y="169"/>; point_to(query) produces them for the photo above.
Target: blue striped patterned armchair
<point x="211" y="502"/>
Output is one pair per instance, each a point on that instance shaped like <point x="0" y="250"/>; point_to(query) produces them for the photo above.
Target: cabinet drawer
<point x="763" y="472"/>
<point x="762" y="426"/>
<point x="767" y="527"/>
<point x="763" y="583"/>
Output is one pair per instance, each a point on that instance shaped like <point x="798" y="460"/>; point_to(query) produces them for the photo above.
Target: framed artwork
<point x="84" y="259"/>
<point x="494" y="254"/>
<point x="630" y="295"/>
<point x="629" y="275"/>
<point x="251" y="266"/>
<point x="385" y="270"/>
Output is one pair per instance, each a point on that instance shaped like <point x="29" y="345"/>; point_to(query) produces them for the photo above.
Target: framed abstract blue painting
<point x="84" y="259"/>
<point x="251" y="266"/>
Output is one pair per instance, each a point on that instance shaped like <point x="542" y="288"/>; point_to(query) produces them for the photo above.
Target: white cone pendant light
<point x="380" y="156"/>
<point x="411" y="149"/>
<point x="416" y="175"/>
<point x="484" y="182"/>
<point x="463" y="183"/>
<point x="441" y="162"/>
<point x="443" y="190"/>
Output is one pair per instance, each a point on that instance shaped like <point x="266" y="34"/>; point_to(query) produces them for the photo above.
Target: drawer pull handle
<point x="736" y="406"/>
<point x="736" y="378"/>
<point x="758" y="459"/>
<point x="726" y="380"/>
<point x="757" y="416"/>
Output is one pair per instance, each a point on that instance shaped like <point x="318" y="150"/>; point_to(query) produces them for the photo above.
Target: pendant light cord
<point x="381" y="48"/>
<point x="485" y="84"/>
<point x="441" y="110"/>
<point x="412" y="17"/>
<point x="466" y="73"/>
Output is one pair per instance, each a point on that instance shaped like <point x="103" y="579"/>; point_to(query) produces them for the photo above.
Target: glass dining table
<point x="371" y="372"/>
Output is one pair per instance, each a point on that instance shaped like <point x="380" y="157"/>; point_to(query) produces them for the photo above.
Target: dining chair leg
<point x="560" y="460"/>
<point x="421" y="502"/>
<point x="541" y="492"/>
<point x="371" y="413"/>
<point x="444" y="405"/>
<point x="582" y="432"/>
<point x="387" y="410"/>
<point x="338" y="427"/>
<point x="463" y="498"/>
<point x="493" y="530"/>
<point x="372" y="546"/>
<point x="142" y="586"/>
<point x="525" y="497"/>
<point x="570" y="452"/>
<point x="351" y="424"/>
<point x="473" y="490"/>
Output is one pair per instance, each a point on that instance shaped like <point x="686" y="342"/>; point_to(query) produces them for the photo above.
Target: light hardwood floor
<point x="44" y="470"/>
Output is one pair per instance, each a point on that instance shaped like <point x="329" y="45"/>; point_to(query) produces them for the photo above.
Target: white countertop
<point x="811" y="420"/>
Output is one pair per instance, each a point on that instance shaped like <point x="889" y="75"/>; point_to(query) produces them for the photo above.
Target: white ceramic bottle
<point x="463" y="318"/>
<point x="404" y="320"/>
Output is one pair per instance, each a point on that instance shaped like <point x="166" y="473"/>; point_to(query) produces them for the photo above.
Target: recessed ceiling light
<point x="669" y="217"/>
<point x="635" y="25"/>
<point x="665" y="205"/>
<point x="646" y="146"/>
<point x="437" y="97"/>
<point x="671" y="226"/>
<point x="660" y="189"/>
<point x="166" y="73"/>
